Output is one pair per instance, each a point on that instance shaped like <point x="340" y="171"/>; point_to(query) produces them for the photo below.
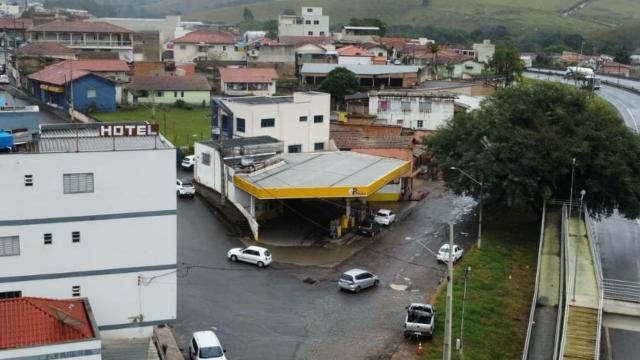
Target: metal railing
<point x="621" y="290"/>
<point x="594" y="247"/>
<point x="525" y="352"/>
<point x="567" y="280"/>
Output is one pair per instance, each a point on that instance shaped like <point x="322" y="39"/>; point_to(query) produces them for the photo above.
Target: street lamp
<point x="480" y="202"/>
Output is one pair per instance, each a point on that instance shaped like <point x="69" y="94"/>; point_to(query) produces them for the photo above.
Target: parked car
<point x="357" y="279"/>
<point x="4" y="79"/>
<point x="205" y="345"/>
<point x="443" y="253"/>
<point x="420" y="320"/>
<point x="385" y="217"/>
<point x="189" y="161"/>
<point x="252" y="254"/>
<point x="185" y="188"/>
<point x="369" y="227"/>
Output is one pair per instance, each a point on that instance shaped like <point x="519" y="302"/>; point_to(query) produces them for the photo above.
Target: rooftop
<point x="373" y="28"/>
<point x="358" y="136"/>
<point x="322" y="175"/>
<point x="301" y="40"/>
<point x="310" y="68"/>
<point x="80" y="26"/>
<point x="412" y="93"/>
<point x="13" y="23"/>
<point x="170" y="83"/>
<point x="352" y="50"/>
<point x="44" y="49"/>
<point x="98" y="65"/>
<point x="247" y="75"/>
<point x="207" y="36"/>
<point x="58" y="75"/>
<point x="261" y="100"/>
<point x="29" y="321"/>
<point x="255" y="140"/>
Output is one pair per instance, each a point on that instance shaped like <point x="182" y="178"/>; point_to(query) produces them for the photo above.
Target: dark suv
<point x="368" y="227"/>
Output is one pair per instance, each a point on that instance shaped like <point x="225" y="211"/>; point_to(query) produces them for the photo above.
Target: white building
<point x="300" y="121"/>
<point x="207" y="44"/>
<point x="7" y="9"/>
<point x="93" y="215"/>
<point x="414" y="109"/>
<point x="165" y="27"/>
<point x="310" y="23"/>
<point x="484" y="51"/>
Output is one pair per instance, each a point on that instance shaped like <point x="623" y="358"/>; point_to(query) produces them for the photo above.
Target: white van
<point x="205" y="345"/>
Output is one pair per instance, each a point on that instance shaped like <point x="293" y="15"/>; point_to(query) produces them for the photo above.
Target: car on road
<point x="369" y="228"/>
<point x="252" y="254"/>
<point x="205" y="345"/>
<point x="385" y="217"/>
<point x="420" y="320"/>
<point x="443" y="253"/>
<point x="357" y="279"/>
<point x="185" y="188"/>
<point x="4" y="79"/>
<point x="188" y="162"/>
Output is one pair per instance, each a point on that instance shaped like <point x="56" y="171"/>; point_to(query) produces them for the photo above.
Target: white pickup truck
<point x="420" y="320"/>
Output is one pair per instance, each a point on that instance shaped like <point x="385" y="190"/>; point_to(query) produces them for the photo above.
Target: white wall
<point x="186" y="53"/>
<point x="287" y="27"/>
<point x="441" y="112"/>
<point x="32" y="351"/>
<point x="354" y="60"/>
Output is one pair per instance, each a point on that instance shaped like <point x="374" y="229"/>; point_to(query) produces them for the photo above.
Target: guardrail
<point x="525" y="353"/>
<point x="568" y="281"/>
<point x="592" y="239"/>
<point x="632" y="89"/>
<point x="621" y="290"/>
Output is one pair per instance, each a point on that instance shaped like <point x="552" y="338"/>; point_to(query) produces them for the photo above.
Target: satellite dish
<point x="64" y="317"/>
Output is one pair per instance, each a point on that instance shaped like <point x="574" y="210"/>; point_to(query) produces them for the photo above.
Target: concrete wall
<point x="113" y="251"/>
<point x="276" y="54"/>
<point x="244" y="89"/>
<point x="441" y="111"/>
<point x="313" y="23"/>
<point x="105" y="99"/>
<point x="354" y="60"/>
<point x="187" y="53"/>
<point x="84" y="350"/>
<point x="170" y="97"/>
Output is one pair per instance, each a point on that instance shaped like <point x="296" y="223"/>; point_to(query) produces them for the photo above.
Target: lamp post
<point x="480" y="202"/>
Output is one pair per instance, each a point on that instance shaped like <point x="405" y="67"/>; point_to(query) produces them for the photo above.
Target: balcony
<point x="91" y="44"/>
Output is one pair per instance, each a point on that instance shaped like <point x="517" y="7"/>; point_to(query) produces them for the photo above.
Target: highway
<point x="621" y="81"/>
<point x="618" y="238"/>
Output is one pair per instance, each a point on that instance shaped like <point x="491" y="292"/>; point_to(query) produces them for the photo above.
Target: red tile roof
<point x="357" y="136"/>
<point x="99" y="65"/>
<point x="353" y="50"/>
<point x="170" y="83"/>
<point x="245" y="75"/>
<point x="44" y="49"/>
<point x="80" y="26"/>
<point x="301" y="40"/>
<point x="13" y="23"/>
<point x="207" y="37"/>
<point x="31" y="321"/>
<point x="57" y="75"/>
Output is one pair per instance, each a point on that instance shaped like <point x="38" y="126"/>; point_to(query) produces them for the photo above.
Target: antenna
<point x="64" y="317"/>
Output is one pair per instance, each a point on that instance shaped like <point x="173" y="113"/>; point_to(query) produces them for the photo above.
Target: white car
<point x="185" y="188"/>
<point x="252" y="254"/>
<point x="205" y="345"/>
<point x="357" y="279"/>
<point x="385" y="217"/>
<point x="188" y="162"/>
<point x="443" y="253"/>
<point x="4" y="79"/>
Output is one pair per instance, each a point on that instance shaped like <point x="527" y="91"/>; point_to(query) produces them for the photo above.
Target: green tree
<point x="340" y="82"/>
<point x="521" y="144"/>
<point x="433" y="49"/>
<point x="506" y="64"/>
<point x="247" y="15"/>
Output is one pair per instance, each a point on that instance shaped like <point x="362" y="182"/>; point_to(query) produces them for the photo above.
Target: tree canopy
<point x="506" y="64"/>
<point x="521" y="143"/>
<point x="340" y="82"/>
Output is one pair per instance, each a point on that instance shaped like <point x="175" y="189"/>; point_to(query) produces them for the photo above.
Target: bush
<point x="181" y="104"/>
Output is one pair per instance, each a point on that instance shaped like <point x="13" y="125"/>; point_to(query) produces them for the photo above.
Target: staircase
<point x="582" y="330"/>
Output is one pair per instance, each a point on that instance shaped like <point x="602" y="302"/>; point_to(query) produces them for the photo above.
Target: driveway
<point x="294" y="312"/>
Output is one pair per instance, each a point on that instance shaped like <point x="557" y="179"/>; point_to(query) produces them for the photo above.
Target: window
<point x="420" y="124"/>
<point x="399" y="122"/>
<point x="175" y="94"/>
<point x="91" y="94"/>
<point x="182" y="94"/>
<point x="310" y="33"/>
<point x="183" y="47"/>
<point x="383" y="106"/>
<point x="224" y="48"/>
<point x="194" y="344"/>
<point x="28" y="180"/>
<point x="75" y="236"/>
<point x="405" y="106"/>
<point x="318" y="119"/>
<point x="303" y="118"/>
<point x="309" y="10"/>
<point x="316" y="22"/>
<point x="425" y="106"/>
<point x="319" y="146"/>
<point x="10" y="294"/>
<point x="9" y="245"/>
<point x="321" y="33"/>
<point x="240" y="125"/>
<point x="295" y="148"/>
<point x="77" y="183"/>
<point x="202" y="48"/>
<point x="267" y="123"/>
<point x="48" y="238"/>
<point x="308" y="22"/>
<point x="206" y="159"/>
<point x="159" y="93"/>
<point x="75" y="290"/>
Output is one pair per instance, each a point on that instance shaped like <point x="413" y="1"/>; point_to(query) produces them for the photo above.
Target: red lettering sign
<point x="109" y="130"/>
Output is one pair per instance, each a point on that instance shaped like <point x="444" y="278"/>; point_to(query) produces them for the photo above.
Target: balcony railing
<point x="91" y="43"/>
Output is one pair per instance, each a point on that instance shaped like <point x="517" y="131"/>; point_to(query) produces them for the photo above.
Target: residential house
<point x="354" y="55"/>
<point x="116" y="70"/>
<point x="207" y="44"/>
<point x="168" y="89"/>
<point x="370" y="76"/>
<point x="289" y="53"/>
<point x="166" y="27"/>
<point x="35" y="56"/>
<point x="301" y="121"/>
<point x="615" y="68"/>
<point x="484" y="51"/>
<point x="86" y="36"/>
<point x="244" y="81"/>
<point x="14" y="31"/>
<point x="61" y="85"/>
<point x="359" y="34"/>
<point x="413" y="109"/>
<point x="42" y="328"/>
<point x="311" y="22"/>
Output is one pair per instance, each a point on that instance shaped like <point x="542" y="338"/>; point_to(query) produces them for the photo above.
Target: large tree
<point x="507" y="65"/>
<point x="340" y="82"/>
<point x="521" y="143"/>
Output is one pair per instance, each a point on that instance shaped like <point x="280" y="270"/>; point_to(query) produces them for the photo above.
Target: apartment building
<point x="414" y="109"/>
<point x="90" y="212"/>
<point x="311" y="22"/>
<point x="207" y="44"/>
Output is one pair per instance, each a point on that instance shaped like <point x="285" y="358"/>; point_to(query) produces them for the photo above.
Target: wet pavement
<point x="297" y="312"/>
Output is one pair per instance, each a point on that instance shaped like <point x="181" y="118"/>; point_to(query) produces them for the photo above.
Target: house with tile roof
<point x="15" y="30"/>
<point x="85" y="36"/>
<point x="43" y="328"/>
<point x="354" y="55"/>
<point x="207" y="44"/>
<point x="248" y="81"/>
<point x="412" y="109"/>
<point x="167" y="89"/>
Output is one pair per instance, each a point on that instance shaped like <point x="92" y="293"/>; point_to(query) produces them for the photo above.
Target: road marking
<point x="635" y="124"/>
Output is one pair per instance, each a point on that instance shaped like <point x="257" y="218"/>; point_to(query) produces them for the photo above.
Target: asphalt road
<point x="272" y="313"/>
<point x="44" y="116"/>
<point x="632" y="83"/>
<point x="618" y="238"/>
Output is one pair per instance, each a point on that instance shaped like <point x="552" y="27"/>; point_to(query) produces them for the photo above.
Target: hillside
<point x="518" y="15"/>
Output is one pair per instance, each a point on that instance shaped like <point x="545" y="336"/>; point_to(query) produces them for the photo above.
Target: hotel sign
<point x="113" y="130"/>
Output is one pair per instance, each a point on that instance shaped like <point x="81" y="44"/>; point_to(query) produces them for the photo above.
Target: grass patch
<point x="181" y="126"/>
<point x="499" y="291"/>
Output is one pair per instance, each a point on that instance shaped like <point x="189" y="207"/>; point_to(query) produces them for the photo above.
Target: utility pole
<point x="71" y="85"/>
<point x="446" y="353"/>
<point x="153" y="106"/>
